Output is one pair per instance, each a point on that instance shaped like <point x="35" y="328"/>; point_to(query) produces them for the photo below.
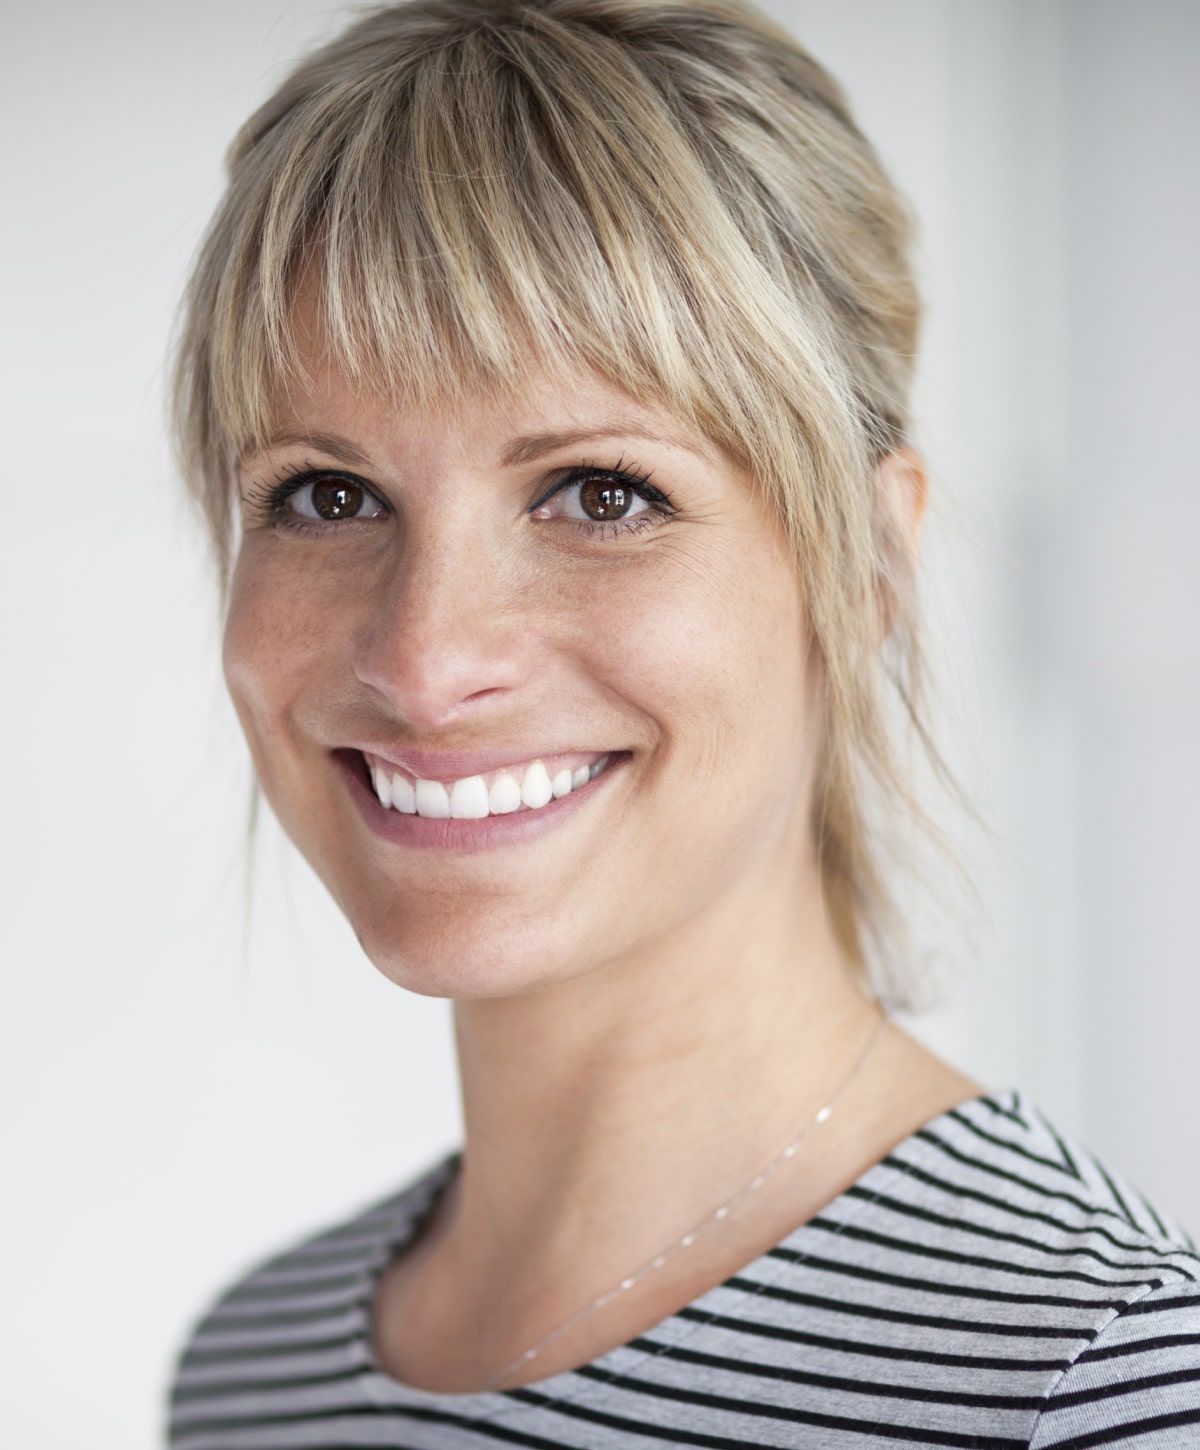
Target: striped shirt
<point x="989" y="1283"/>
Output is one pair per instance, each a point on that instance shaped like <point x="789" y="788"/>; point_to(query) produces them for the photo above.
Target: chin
<point x="455" y="965"/>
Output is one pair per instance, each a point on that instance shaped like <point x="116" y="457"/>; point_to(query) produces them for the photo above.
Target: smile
<point x="526" y="787"/>
<point x="430" y="820"/>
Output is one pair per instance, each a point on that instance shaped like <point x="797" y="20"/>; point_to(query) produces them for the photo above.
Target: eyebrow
<point x="525" y="448"/>
<point x="533" y="445"/>
<point x="331" y="443"/>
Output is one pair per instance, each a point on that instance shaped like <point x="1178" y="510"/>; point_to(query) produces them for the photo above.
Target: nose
<point x="446" y="625"/>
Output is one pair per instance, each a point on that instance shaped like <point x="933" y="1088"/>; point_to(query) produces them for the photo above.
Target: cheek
<point x="244" y="658"/>
<point x="269" y="640"/>
<point x="713" y="655"/>
<point x="714" y="651"/>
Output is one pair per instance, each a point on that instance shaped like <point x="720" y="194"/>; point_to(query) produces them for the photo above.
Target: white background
<point x="180" y="1099"/>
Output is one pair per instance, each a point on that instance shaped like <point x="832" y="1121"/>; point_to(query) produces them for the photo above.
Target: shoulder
<point x="1115" y="1280"/>
<point x="349" y="1245"/>
<point x="308" y="1294"/>
<point x="998" y="1165"/>
<point x="1138" y="1375"/>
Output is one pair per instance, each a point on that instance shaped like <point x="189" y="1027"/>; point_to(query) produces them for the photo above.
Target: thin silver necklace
<point x="716" y="1216"/>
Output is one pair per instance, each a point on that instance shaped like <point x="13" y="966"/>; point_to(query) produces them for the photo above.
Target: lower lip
<point x="450" y="834"/>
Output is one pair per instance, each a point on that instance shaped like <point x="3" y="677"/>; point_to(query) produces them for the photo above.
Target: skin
<point x="649" y="1001"/>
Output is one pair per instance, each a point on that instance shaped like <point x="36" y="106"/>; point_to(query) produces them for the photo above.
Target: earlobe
<point x="902" y="493"/>
<point x="902" y="477"/>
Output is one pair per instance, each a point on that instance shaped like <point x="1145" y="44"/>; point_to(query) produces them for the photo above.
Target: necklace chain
<point x="716" y="1216"/>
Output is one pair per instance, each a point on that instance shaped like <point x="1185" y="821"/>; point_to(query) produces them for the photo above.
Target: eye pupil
<point x="611" y="499"/>
<point x="334" y="498"/>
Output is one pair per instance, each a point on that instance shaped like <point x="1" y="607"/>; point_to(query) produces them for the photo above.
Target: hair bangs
<point x="465" y="229"/>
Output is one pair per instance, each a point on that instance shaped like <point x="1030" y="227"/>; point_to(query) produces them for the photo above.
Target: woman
<point x="550" y="359"/>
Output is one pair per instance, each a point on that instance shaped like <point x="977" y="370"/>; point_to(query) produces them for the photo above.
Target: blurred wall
<point x="189" y="1087"/>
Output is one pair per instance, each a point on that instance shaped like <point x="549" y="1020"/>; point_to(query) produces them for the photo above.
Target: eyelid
<point x="271" y="499"/>
<point x="629" y="477"/>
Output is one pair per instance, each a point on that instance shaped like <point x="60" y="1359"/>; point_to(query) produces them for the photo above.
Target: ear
<point x="902" y="494"/>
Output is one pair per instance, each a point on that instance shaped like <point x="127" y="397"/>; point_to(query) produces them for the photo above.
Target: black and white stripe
<point x="989" y="1283"/>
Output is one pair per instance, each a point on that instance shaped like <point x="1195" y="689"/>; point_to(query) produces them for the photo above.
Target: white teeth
<point x="383" y="785"/>
<point x="469" y="799"/>
<point x="535" y="788"/>
<point x="432" y="799"/>
<point x="505" y="795"/>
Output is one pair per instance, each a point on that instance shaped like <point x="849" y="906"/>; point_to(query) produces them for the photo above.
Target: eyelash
<point x="270" y="500"/>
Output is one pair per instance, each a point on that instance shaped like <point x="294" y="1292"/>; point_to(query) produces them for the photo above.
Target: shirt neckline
<point x="616" y="1363"/>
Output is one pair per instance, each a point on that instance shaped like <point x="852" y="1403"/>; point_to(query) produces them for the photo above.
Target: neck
<point x="605" y="1115"/>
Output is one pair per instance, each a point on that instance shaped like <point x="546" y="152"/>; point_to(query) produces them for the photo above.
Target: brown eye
<point x="603" y="499"/>
<point x="309" y="500"/>
<point x="337" y="498"/>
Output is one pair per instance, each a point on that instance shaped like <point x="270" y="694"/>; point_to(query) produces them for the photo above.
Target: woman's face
<point x="429" y="591"/>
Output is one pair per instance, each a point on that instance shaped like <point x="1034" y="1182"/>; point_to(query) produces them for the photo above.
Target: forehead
<point x="550" y="397"/>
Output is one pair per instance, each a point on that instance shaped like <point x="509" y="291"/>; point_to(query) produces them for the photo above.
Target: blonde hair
<point x="672" y="193"/>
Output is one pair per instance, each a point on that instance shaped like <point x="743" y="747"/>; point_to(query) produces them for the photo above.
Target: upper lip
<point x="455" y="764"/>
